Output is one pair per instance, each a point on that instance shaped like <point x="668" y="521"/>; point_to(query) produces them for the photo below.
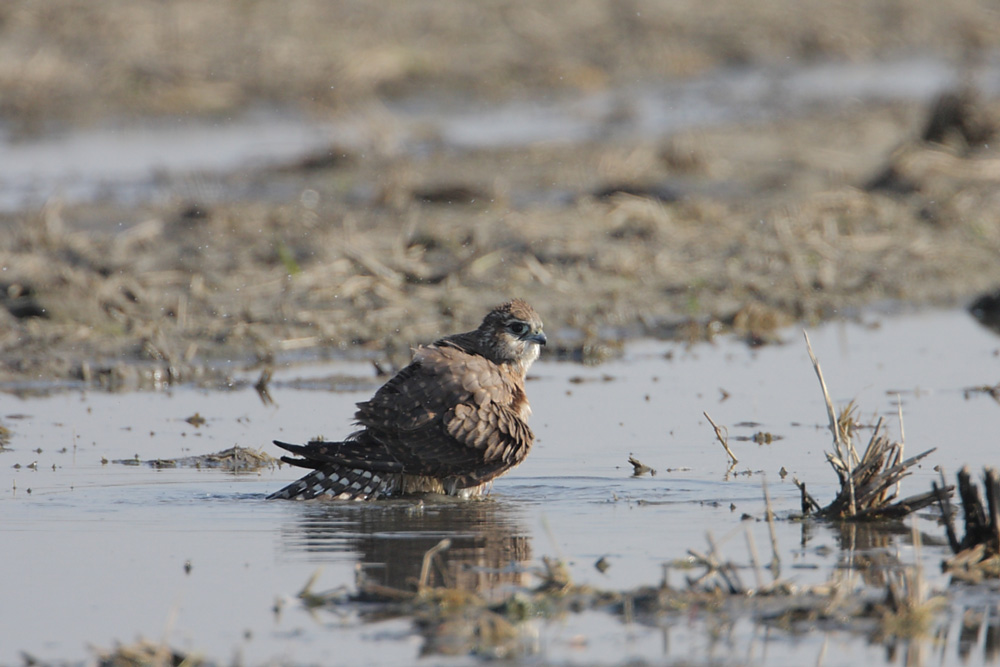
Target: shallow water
<point x="95" y="552"/>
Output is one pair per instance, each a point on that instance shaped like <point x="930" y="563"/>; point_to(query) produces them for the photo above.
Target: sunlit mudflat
<point x="98" y="552"/>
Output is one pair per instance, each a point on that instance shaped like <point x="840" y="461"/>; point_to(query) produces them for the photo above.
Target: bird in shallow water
<point x="450" y="422"/>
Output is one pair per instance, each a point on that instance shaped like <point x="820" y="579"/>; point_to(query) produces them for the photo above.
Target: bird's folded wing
<point x="493" y="429"/>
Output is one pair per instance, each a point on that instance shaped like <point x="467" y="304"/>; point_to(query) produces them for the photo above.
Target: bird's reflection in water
<point x="488" y="552"/>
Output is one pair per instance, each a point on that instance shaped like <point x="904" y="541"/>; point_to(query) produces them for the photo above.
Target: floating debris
<point x="196" y="420"/>
<point x="993" y="391"/>
<point x="639" y="468"/>
<point x="234" y="459"/>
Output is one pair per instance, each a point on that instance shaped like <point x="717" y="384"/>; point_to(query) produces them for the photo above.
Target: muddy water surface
<point x="96" y="552"/>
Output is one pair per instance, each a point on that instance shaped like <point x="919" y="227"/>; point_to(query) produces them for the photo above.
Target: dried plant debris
<point x="993" y="391"/>
<point x="870" y="483"/>
<point x="234" y="459"/>
<point x="142" y="653"/>
<point x="196" y="420"/>
<point x="977" y="555"/>
<point x="723" y="438"/>
<point x="639" y="468"/>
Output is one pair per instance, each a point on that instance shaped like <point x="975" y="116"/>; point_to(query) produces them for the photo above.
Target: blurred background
<point x="182" y="182"/>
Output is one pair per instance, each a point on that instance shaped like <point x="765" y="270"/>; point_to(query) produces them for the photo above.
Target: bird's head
<point x="512" y="334"/>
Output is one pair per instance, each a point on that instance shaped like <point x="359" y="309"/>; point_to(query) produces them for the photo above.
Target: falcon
<point x="450" y="422"/>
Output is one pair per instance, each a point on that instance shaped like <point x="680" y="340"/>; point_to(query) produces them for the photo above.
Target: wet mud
<point x="771" y="187"/>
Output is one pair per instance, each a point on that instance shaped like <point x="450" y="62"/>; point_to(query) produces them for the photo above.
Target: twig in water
<point x="722" y="439"/>
<point x="307" y="596"/>
<point x="425" y="567"/>
<point x="809" y="504"/>
<point x="775" y="565"/>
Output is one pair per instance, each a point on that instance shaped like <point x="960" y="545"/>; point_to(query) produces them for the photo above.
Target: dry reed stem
<point x="844" y="451"/>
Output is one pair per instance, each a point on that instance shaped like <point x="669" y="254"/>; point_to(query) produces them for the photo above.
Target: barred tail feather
<point x="340" y="483"/>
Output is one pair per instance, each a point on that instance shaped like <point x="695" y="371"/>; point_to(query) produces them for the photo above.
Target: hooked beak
<point x="538" y="337"/>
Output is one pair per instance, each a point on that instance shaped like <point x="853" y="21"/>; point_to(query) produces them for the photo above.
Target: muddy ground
<point x="747" y="226"/>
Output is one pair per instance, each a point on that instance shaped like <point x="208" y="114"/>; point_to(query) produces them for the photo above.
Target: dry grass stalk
<point x="722" y="439"/>
<point x="840" y="427"/>
<point x="977" y="555"/>
<point x="425" y="568"/>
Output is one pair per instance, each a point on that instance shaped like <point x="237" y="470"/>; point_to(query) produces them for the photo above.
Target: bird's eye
<point x="518" y="328"/>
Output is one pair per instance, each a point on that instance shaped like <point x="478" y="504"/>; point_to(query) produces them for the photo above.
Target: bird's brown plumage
<point x="450" y="422"/>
